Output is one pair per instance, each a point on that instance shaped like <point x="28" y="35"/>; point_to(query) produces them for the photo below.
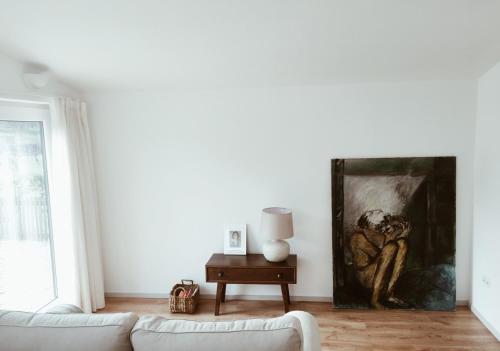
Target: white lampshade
<point x="276" y="223"/>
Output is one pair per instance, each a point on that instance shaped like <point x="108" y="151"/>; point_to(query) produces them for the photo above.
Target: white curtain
<point x="74" y="207"/>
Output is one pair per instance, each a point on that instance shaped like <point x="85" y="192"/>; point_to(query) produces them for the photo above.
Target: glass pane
<point x="26" y="263"/>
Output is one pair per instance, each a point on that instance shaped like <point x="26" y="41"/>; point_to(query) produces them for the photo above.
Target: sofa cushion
<point x="64" y="309"/>
<point x="276" y="334"/>
<point x="21" y="331"/>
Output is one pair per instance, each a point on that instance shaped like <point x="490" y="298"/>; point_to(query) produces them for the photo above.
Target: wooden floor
<point x="347" y="330"/>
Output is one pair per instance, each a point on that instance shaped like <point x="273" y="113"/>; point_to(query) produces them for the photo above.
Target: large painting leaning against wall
<point x="394" y="232"/>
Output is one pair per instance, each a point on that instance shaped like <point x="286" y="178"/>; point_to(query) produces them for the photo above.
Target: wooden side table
<point x="250" y="269"/>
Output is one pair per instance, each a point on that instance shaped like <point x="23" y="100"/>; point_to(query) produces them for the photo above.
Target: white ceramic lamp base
<point x="276" y="250"/>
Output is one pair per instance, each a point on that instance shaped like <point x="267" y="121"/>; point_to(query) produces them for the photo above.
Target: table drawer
<point x="251" y="275"/>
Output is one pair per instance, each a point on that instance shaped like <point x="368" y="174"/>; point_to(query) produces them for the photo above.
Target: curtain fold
<point x="74" y="207"/>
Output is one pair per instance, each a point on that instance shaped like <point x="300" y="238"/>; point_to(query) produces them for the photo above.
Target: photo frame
<point x="235" y="239"/>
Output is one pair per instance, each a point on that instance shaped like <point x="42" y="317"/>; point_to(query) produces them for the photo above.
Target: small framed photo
<point x="235" y="239"/>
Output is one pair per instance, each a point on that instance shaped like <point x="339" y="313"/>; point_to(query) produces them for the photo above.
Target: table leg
<point x="288" y="294"/>
<point x="223" y="294"/>
<point x="220" y="287"/>
<point x="286" y="297"/>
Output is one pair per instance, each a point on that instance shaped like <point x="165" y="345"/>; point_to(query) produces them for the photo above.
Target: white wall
<point x="174" y="167"/>
<point x="12" y="83"/>
<point x="486" y="263"/>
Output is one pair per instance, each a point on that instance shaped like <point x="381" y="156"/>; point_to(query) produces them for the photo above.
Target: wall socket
<point x="486" y="281"/>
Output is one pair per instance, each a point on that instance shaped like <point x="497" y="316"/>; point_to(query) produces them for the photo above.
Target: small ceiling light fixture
<point x="35" y="76"/>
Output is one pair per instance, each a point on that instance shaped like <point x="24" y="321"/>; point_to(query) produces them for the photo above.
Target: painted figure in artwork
<point x="379" y="248"/>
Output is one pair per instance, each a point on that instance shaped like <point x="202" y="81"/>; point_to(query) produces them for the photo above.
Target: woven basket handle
<point x="177" y="289"/>
<point x="187" y="282"/>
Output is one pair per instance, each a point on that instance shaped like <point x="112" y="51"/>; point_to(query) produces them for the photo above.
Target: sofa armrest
<point x="64" y="309"/>
<point x="310" y="330"/>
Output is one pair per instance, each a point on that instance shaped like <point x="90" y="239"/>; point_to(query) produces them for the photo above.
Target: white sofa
<point x="65" y="328"/>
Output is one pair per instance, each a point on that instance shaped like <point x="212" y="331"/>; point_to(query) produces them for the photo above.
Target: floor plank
<point x="347" y="330"/>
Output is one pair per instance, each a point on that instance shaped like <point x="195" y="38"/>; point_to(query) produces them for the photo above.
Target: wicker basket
<point x="180" y="304"/>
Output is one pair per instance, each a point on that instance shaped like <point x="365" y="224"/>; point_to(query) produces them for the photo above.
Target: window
<point x="27" y="267"/>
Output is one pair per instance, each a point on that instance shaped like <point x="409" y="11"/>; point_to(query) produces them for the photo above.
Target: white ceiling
<point x="126" y="44"/>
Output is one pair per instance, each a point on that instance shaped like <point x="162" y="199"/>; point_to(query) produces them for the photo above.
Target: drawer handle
<point x="220" y="274"/>
<point x="279" y="275"/>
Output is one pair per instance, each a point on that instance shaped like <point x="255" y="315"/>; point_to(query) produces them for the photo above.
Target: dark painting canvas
<point x="394" y="232"/>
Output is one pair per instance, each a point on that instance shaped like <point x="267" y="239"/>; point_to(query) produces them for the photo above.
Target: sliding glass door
<point x="27" y="267"/>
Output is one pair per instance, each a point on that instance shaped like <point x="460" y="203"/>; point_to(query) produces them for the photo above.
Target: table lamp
<point x="276" y="224"/>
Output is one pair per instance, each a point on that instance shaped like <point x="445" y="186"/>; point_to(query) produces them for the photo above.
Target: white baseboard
<point x="271" y="298"/>
<point x="228" y="297"/>
<point x="138" y="295"/>
<point x="243" y="297"/>
<point x="491" y="328"/>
